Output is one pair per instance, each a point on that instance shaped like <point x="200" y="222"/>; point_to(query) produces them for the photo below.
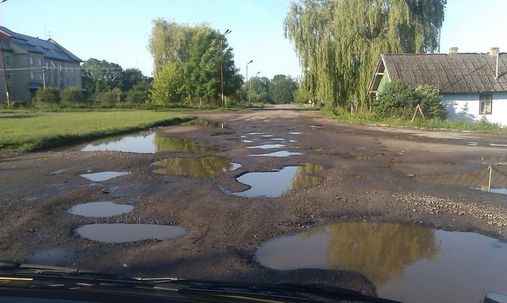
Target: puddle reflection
<point x="276" y="183"/>
<point x="406" y="262"/>
<point x="278" y="154"/>
<point x="147" y="143"/>
<point x="203" y="167"/>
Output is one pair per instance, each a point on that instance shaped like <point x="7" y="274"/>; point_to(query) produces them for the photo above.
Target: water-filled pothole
<point x="405" y="262"/>
<point x="276" y="183"/>
<point x="104" y="176"/>
<point x="268" y="146"/>
<point x="147" y="143"/>
<point x="479" y="179"/>
<point x="100" y="209"/>
<point x="295" y="133"/>
<point x="210" y="166"/>
<point x="121" y="232"/>
<point x="278" y="154"/>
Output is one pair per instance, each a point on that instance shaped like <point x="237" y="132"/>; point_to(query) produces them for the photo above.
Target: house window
<point x="7" y="59"/>
<point x="30" y="60"/>
<point x="31" y="76"/>
<point x="485" y="104"/>
<point x="39" y="61"/>
<point x="9" y="76"/>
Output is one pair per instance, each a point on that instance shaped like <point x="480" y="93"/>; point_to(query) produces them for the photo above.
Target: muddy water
<point x="104" y="176"/>
<point x="202" y="167"/>
<point x="120" y="232"/>
<point x="100" y="209"/>
<point x="405" y="262"/>
<point x="276" y="183"/>
<point x="278" y="154"/>
<point x="146" y="143"/>
<point x="53" y="256"/>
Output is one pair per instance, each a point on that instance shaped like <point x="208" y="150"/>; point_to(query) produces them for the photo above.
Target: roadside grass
<point x="367" y="118"/>
<point x="39" y="131"/>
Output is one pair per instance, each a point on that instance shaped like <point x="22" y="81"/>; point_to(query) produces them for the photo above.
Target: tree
<point x="168" y="86"/>
<point x="338" y="42"/>
<point x="257" y="89"/>
<point x="131" y="77"/>
<point x="100" y="75"/>
<point x="198" y="54"/>
<point x="72" y="95"/>
<point x="140" y="93"/>
<point x="282" y="89"/>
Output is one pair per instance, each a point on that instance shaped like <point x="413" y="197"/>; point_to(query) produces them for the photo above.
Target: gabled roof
<point x="47" y="48"/>
<point x="450" y="73"/>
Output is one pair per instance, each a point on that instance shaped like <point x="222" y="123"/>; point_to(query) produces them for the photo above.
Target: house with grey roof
<point x="28" y="63"/>
<point x="472" y="85"/>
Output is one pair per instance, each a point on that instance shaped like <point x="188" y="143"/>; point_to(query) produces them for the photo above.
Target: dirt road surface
<point x="377" y="174"/>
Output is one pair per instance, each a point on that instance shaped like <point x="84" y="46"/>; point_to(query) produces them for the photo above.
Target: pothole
<point x="403" y="261"/>
<point x="267" y="146"/>
<point x="147" y="143"/>
<point x="278" y="154"/>
<point x="276" y="183"/>
<point x="100" y="209"/>
<point x="104" y="176"/>
<point x="210" y="166"/>
<point x="121" y="232"/>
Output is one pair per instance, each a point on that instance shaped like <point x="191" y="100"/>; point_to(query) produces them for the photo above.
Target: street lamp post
<point x="228" y="31"/>
<point x="4" y="69"/>
<point x="249" y="86"/>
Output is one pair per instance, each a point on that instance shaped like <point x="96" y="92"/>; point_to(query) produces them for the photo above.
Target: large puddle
<point x="405" y="262"/>
<point x="202" y="167"/>
<point x="278" y="154"/>
<point x="474" y="179"/>
<point x="120" y="232"/>
<point x="100" y="209"/>
<point x="276" y="183"/>
<point x="104" y="176"/>
<point x="147" y="143"/>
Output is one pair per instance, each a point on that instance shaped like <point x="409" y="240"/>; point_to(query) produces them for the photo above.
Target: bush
<point x="106" y="99"/>
<point x="399" y="101"/>
<point x="72" y="96"/>
<point x="140" y="93"/>
<point x="47" y="98"/>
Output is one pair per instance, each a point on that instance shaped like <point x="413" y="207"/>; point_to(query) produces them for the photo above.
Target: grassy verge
<point x="367" y="118"/>
<point x="38" y="131"/>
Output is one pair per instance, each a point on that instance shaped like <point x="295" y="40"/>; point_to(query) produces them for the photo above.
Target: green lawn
<point x="31" y="132"/>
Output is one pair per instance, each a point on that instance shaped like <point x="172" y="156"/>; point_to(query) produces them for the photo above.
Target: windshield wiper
<point x="282" y="291"/>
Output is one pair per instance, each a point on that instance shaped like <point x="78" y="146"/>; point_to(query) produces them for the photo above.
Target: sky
<point x="119" y="30"/>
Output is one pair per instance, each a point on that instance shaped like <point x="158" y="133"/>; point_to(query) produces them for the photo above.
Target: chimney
<point x="493" y="51"/>
<point x="453" y="50"/>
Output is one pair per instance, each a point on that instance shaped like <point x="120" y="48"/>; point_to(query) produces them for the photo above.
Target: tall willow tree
<point x="339" y="42"/>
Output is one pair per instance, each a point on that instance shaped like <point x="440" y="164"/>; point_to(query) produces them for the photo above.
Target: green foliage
<point x="338" y="42"/>
<point x="257" y="89"/>
<point x="101" y="75"/>
<point x="282" y="89"/>
<point x="399" y="101"/>
<point x="106" y="99"/>
<point x="47" y="98"/>
<point x="169" y="86"/>
<point x="72" y="95"/>
<point x="140" y="93"/>
<point x="188" y="62"/>
<point x="40" y="131"/>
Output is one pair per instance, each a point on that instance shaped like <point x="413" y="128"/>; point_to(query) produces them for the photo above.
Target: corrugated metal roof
<point x="452" y="73"/>
<point x="47" y="48"/>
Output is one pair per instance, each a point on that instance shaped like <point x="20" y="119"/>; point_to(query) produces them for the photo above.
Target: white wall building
<point x="473" y="86"/>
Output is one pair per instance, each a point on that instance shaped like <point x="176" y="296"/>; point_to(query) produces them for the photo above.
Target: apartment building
<point x="28" y="63"/>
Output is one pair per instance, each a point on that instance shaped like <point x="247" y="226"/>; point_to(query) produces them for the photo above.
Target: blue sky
<point x="118" y="30"/>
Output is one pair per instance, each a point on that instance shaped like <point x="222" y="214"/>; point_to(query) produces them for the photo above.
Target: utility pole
<point x="249" y="86"/>
<point x="222" y="64"/>
<point x="5" y="69"/>
<point x="43" y="78"/>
